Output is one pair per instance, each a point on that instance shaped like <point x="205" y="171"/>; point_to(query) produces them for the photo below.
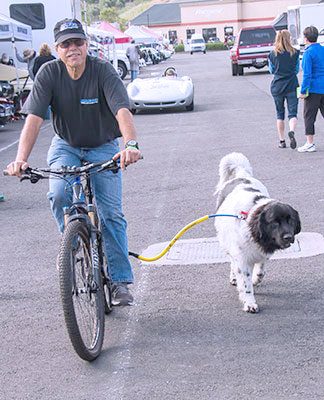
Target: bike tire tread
<point x="74" y="228"/>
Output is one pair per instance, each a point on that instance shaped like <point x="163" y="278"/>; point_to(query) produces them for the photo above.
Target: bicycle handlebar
<point x="35" y="174"/>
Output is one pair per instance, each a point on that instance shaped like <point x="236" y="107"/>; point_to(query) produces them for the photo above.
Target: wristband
<point x="131" y="147"/>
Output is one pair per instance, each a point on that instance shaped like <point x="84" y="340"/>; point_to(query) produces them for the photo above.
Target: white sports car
<point x="167" y="91"/>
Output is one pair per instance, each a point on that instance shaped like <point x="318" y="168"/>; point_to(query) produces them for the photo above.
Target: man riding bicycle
<point x="90" y="110"/>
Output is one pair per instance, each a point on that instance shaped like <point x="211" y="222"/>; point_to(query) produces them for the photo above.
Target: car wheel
<point x="240" y="70"/>
<point x="133" y="111"/>
<point x="190" y="107"/>
<point x="234" y="69"/>
<point x="122" y="70"/>
<point x="204" y="51"/>
<point x="191" y="53"/>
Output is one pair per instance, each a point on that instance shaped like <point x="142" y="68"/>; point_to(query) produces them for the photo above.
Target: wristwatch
<point x="132" y="143"/>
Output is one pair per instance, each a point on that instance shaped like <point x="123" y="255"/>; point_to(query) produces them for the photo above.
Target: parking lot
<point x="187" y="336"/>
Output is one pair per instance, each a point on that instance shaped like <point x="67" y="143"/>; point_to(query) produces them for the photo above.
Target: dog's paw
<point x="251" y="307"/>
<point x="257" y="279"/>
<point x="233" y="281"/>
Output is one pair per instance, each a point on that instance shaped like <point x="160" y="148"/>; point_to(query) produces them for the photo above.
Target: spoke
<point x="85" y="302"/>
<point x="87" y="324"/>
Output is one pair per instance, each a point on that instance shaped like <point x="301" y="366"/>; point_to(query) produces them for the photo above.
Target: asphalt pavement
<point x="187" y="336"/>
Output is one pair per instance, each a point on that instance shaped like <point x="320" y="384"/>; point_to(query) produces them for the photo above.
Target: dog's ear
<point x="263" y="225"/>
<point x="296" y="220"/>
<point x="258" y="225"/>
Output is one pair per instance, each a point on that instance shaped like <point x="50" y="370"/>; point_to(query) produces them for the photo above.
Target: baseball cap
<point x="68" y="29"/>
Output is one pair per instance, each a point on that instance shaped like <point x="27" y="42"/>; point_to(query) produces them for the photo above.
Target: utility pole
<point x="85" y="12"/>
<point x="76" y="9"/>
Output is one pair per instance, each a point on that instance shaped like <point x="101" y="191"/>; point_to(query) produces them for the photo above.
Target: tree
<point x="109" y="3"/>
<point x="109" y="14"/>
<point x="93" y="13"/>
<point x="120" y="4"/>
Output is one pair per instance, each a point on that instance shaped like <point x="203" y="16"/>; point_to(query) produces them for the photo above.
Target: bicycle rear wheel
<point x="81" y="292"/>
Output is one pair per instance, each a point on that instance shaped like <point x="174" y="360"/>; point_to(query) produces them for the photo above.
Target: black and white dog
<point x="268" y="225"/>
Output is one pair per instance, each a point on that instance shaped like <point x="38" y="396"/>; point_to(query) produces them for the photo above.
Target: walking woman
<point x="284" y="64"/>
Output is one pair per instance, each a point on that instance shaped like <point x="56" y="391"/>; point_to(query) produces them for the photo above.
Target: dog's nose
<point x="288" y="237"/>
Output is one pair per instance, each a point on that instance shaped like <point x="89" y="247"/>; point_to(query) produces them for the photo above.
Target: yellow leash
<point x="180" y="233"/>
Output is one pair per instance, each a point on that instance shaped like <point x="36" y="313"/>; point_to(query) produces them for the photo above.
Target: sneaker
<point x="121" y="296"/>
<point x="282" y="144"/>
<point x="293" y="143"/>
<point x="307" y="148"/>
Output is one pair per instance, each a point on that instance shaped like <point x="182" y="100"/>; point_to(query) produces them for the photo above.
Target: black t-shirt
<point x="83" y="110"/>
<point x="285" y="75"/>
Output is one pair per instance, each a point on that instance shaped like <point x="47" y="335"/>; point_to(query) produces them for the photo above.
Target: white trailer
<point x="299" y="17"/>
<point x="42" y="16"/>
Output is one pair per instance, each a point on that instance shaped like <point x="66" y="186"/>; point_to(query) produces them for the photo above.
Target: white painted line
<point x="208" y="251"/>
<point x="129" y="337"/>
<point x="9" y="145"/>
<point x="16" y="141"/>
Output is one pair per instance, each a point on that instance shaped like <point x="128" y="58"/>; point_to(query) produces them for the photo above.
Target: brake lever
<point x="32" y="178"/>
<point x="30" y="175"/>
<point x="24" y="178"/>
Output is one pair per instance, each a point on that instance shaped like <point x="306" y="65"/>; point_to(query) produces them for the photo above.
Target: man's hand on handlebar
<point x="127" y="156"/>
<point x="16" y="167"/>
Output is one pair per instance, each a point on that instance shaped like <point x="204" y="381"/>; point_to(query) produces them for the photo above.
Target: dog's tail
<point x="233" y="165"/>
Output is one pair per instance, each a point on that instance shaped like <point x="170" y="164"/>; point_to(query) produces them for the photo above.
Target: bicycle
<point x="85" y="286"/>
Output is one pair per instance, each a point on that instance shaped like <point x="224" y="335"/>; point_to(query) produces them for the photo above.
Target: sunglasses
<point x="67" y="43"/>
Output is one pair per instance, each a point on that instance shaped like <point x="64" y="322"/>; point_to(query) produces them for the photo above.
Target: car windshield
<point x="257" y="36"/>
<point x="197" y="41"/>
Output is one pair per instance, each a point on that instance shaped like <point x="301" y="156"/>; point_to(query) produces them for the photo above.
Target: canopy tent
<point x="120" y="37"/>
<point x="102" y="38"/>
<point x="95" y="32"/>
<point x="12" y="30"/>
<point x="140" y="36"/>
<point x="150" y="32"/>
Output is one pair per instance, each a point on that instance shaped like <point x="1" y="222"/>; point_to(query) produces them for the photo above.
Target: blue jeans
<point x="134" y="75"/>
<point x="292" y="105"/>
<point x="107" y="189"/>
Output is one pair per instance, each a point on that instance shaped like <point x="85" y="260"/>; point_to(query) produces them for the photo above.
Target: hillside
<point x="126" y="10"/>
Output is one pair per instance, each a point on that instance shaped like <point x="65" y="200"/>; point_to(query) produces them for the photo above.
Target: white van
<point x="197" y="43"/>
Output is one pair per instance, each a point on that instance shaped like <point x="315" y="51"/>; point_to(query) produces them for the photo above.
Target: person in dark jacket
<point x="284" y="64"/>
<point x="133" y="54"/>
<point x="45" y="55"/>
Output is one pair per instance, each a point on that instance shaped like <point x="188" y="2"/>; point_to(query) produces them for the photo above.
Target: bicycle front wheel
<point x="81" y="292"/>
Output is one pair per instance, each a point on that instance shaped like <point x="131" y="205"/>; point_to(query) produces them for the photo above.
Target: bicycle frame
<point x="81" y="203"/>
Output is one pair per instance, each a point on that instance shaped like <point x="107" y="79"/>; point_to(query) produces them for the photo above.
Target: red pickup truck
<point x="251" y="48"/>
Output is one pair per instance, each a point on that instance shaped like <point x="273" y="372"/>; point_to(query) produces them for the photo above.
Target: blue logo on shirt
<point x="89" y="101"/>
